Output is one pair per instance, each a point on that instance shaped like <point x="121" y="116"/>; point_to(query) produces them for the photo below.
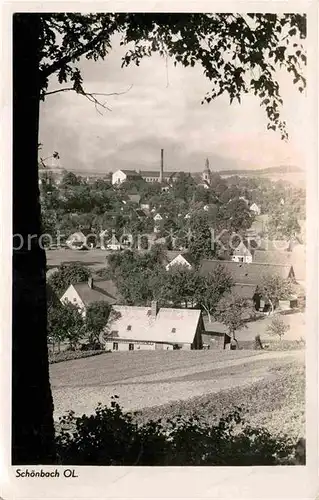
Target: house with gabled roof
<point x="181" y="259"/>
<point x="247" y="277"/>
<point x="124" y="175"/>
<point x="242" y="254"/>
<point x="286" y="258"/>
<point x="254" y="208"/>
<point x="150" y="328"/>
<point x="243" y="273"/>
<point x="85" y="293"/>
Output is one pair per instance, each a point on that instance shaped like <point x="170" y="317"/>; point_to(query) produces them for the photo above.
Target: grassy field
<point x="94" y="259"/>
<point x="162" y="384"/>
<point x="276" y="402"/>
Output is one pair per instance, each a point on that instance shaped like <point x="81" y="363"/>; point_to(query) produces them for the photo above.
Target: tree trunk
<point x="272" y="307"/>
<point x="32" y="406"/>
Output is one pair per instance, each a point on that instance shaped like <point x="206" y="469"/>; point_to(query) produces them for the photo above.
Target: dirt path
<point x="170" y="385"/>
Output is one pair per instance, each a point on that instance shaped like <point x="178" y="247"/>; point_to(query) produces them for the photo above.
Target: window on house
<point x="129" y="327"/>
<point x="173" y="330"/>
<point x="131" y="347"/>
<point x="115" y="346"/>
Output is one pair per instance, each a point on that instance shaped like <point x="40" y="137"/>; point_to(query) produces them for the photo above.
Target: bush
<point x="70" y="354"/>
<point x="112" y="437"/>
<point x="274" y="345"/>
<point x="92" y="346"/>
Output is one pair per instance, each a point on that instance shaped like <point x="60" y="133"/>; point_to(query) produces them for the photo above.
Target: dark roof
<point x="131" y="173"/>
<point x="298" y="262"/>
<point x="245" y="291"/>
<point x="156" y="173"/>
<point x="272" y="257"/>
<point x="190" y="259"/>
<point x="140" y="212"/>
<point x="243" y="273"/>
<point x="171" y="254"/>
<point x="215" y="327"/>
<point x="102" y="291"/>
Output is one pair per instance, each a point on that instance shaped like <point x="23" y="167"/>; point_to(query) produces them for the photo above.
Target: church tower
<point x="206" y="175"/>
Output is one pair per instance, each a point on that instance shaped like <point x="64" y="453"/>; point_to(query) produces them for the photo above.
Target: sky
<point x="161" y="108"/>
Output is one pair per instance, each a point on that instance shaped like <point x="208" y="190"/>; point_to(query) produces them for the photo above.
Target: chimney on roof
<point x="154" y="308"/>
<point x="90" y="282"/>
<point x="161" y="178"/>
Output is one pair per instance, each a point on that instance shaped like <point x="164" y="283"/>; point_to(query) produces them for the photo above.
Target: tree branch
<point x="49" y="70"/>
<point x="91" y="93"/>
<point x="91" y="96"/>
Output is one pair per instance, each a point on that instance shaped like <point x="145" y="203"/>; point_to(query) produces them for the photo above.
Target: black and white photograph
<point x="159" y="216"/>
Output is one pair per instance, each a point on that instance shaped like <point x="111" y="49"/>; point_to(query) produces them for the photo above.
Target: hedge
<point x="112" y="437"/>
<point x="68" y="355"/>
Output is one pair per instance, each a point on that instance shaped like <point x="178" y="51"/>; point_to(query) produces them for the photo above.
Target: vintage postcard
<point x="159" y="268"/>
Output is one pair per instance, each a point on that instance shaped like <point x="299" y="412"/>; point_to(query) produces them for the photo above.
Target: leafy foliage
<point x="97" y="315"/>
<point x="212" y="288"/>
<point x="143" y="278"/>
<point x="233" y="312"/>
<point x="275" y="288"/>
<point x="201" y="236"/>
<point x="112" y="437"/>
<point x="283" y="223"/>
<point x="65" y="322"/>
<point x="179" y="286"/>
<point x="277" y="327"/>
<point x="66" y="275"/>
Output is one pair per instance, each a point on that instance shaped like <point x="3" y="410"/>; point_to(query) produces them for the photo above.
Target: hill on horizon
<point x="280" y="169"/>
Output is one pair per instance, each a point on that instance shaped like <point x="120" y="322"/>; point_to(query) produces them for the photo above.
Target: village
<point x="180" y="270"/>
<point x="252" y="263"/>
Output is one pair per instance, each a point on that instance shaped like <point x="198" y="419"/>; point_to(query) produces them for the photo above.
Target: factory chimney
<point x="161" y="177"/>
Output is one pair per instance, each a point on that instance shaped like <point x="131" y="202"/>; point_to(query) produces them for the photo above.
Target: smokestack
<point x="161" y="178"/>
<point x="90" y="282"/>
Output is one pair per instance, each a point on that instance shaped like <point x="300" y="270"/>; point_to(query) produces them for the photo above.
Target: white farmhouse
<point x="149" y="328"/>
<point x="255" y="208"/>
<point x="124" y="175"/>
<point x="158" y="222"/>
<point x="242" y="254"/>
<point x="85" y="293"/>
